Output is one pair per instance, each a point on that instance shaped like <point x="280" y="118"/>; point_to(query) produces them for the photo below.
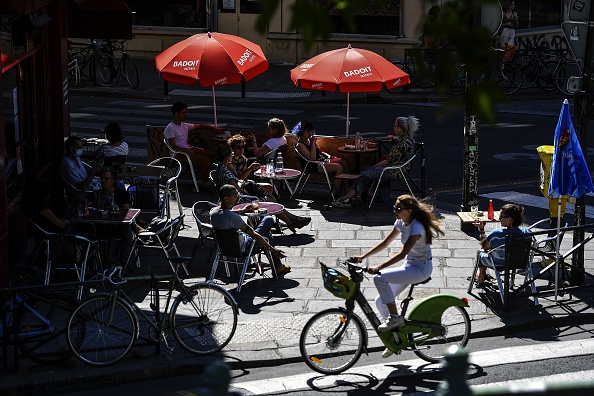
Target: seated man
<point x="74" y="172"/>
<point x="224" y="218"/>
<point x="176" y="133"/>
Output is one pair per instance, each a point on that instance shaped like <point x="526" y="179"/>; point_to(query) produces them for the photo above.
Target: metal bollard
<point x="216" y="379"/>
<point x="455" y="368"/>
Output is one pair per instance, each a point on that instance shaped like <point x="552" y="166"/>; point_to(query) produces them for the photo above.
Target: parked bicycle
<point x="86" y="61"/>
<point x="35" y="320"/>
<point x="505" y="75"/>
<point x="103" y="329"/>
<point x="333" y="340"/>
<point x="125" y="68"/>
<point x="547" y="69"/>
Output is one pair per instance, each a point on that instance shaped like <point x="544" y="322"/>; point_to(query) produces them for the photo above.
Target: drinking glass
<point x="256" y="205"/>
<point x="474" y="211"/>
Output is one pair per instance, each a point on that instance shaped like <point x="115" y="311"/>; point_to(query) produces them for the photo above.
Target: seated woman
<point x="239" y="163"/>
<point x="308" y="148"/>
<point x="109" y="196"/>
<point x="511" y="218"/>
<point x="277" y="131"/>
<point x="401" y="151"/>
<point x="73" y="171"/>
<point x="116" y="145"/>
<point x="223" y="175"/>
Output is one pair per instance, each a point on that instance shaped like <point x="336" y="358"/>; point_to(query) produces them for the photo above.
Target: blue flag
<point x="569" y="172"/>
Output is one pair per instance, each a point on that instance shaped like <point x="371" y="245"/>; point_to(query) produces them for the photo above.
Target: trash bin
<point x="546" y="158"/>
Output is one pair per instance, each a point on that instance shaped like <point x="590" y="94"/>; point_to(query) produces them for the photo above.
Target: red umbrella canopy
<point x="212" y="59"/>
<point x="352" y="69"/>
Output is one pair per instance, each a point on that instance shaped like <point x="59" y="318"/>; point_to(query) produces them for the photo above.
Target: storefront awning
<point x="100" y="19"/>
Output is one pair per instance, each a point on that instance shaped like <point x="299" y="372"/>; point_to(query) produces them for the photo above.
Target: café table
<point x="286" y="175"/>
<point x="92" y="144"/>
<point x="357" y="153"/>
<point x="467" y="219"/>
<point x="133" y="172"/>
<point x="101" y="220"/>
<point x="271" y="208"/>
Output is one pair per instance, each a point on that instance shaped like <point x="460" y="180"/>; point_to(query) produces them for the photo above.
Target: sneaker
<point x="393" y="322"/>
<point x="341" y="203"/>
<point x="283" y="269"/>
<point x="387" y="353"/>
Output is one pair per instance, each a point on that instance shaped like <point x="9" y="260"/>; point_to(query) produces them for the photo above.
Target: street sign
<point x="574" y="84"/>
<point x="579" y="10"/>
<point x="576" y="34"/>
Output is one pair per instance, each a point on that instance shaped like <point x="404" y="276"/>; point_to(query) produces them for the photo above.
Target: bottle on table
<point x="270" y="167"/>
<point x="491" y="211"/>
<point x="358" y="141"/>
<point x="279" y="163"/>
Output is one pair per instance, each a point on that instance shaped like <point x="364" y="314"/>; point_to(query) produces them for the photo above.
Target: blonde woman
<point x="402" y="150"/>
<point x="277" y="131"/>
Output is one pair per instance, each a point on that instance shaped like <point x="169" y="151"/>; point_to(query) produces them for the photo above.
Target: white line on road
<point x="378" y="372"/>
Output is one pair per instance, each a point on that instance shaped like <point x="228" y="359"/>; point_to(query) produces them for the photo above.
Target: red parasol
<point x="211" y="59"/>
<point x="352" y="70"/>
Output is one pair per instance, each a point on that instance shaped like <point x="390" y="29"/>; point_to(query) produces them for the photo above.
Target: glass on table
<point x="474" y="211"/>
<point x="256" y="205"/>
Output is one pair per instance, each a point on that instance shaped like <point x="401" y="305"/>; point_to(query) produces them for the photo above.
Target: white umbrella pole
<point x="214" y="103"/>
<point x="557" y="247"/>
<point x="348" y="123"/>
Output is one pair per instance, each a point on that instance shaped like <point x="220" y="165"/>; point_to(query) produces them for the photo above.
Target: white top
<point x="420" y="251"/>
<point x="179" y="132"/>
<point x="273" y="144"/>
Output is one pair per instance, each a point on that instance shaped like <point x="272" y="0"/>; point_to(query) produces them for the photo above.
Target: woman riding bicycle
<point x="417" y="224"/>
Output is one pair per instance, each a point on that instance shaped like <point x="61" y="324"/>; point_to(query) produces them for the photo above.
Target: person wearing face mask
<point x="74" y="171"/>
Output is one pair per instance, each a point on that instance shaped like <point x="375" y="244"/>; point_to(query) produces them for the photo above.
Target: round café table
<point x="272" y="208"/>
<point x="286" y="175"/>
<point x="357" y="153"/>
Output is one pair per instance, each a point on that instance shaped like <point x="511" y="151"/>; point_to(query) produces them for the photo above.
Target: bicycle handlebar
<point x="110" y="277"/>
<point x="351" y="265"/>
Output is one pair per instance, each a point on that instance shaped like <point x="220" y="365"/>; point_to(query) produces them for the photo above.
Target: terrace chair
<point x="404" y="171"/>
<point x="305" y="173"/>
<point x="173" y="153"/>
<point x="168" y="181"/>
<point x="65" y="252"/>
<point x="518" y="260"/>
<point x="229" y="251"/>
<point x="201" y="212"/>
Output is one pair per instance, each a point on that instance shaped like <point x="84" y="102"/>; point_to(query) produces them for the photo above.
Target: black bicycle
<point x="125" y="68"/>
<point x="88" y="62"/>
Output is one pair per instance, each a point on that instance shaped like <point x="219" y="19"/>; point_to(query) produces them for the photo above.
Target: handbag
<point x="250" y="187"/>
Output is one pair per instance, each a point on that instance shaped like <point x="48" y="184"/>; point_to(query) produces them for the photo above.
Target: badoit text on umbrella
<point x="362" y="72"/>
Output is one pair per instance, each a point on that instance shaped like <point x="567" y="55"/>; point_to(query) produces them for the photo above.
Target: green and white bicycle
<point x="333" y="340"/>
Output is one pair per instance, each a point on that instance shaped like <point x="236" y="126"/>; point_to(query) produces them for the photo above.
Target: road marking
<point x="379" y="372"/>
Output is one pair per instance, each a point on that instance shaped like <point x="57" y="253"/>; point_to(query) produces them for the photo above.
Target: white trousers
<point x="392" y="281"/>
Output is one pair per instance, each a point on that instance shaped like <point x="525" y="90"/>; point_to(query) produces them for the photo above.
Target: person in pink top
<point x="176" y="133"/>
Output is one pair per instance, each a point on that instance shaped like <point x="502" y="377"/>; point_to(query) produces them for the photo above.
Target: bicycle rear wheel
<point x="508" y="77"/>
<point x="102" y="330"/>
<point x="562" y="75"/>
<point x="456" y="322"/>
<point x="42" y="331"/>
<point x="205" y="320"/>
<point x="107" y="70"/>
<point x="529" y="69"/>
<point x="546" y="80"/>
<point x="329" y="344"/>
<point x="130" y="71"/>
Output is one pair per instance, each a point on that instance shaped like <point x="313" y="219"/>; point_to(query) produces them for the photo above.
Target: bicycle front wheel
<point x="107" y="70"/>
<point x="546" y="80"/>
<point x="43" y="327"/>
<point x="508" y="78"/>
<point x="456" y="323"/>
<point x="204" y="319"/>
<point x="102" y="330"/>
<point x="329" y="344"/>
<point x="562" y="75"/>
<point x="130" y="71"/>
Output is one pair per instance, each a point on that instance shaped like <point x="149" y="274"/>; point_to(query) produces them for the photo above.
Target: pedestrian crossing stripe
<point x="531" y="200"/>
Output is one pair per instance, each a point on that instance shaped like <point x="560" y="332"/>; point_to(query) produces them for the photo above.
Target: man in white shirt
<point x="176" y="133"/>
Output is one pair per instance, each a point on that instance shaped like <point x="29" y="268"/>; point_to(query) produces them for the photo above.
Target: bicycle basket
<point x="339" y="285"/>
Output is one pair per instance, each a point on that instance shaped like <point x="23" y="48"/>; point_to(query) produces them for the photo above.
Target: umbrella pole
<point x="348" y="123"/>
<point x="557" y="247"/>
<point x="214" y="104"/>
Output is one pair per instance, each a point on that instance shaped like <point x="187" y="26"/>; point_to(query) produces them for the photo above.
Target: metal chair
<point x="168" y="181"/>
<point x="65" y="252"/>
<point x="229" y="250"/>
<point x="305" y="172"/>
<point x="173" y="153"/>
<point x="403" y="170"/>
<point x="518" y="259"/>
<point x="161" y="234"/>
